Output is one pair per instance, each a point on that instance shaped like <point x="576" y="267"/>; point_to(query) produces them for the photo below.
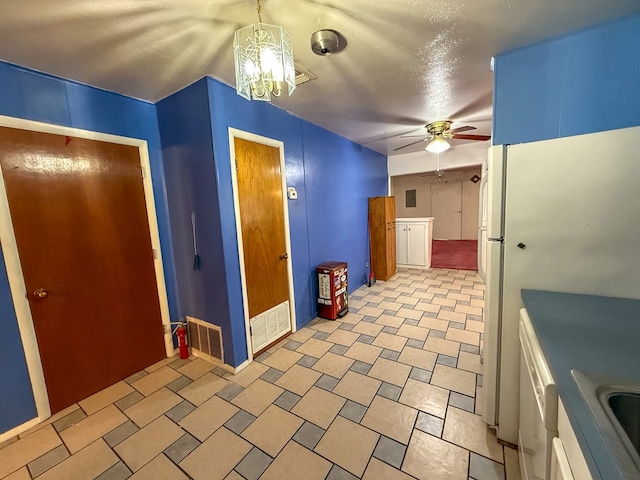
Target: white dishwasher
<point x="538" y="406"/>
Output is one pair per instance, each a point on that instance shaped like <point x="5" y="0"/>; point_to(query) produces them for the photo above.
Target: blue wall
<point x="34" y="96"/>
<point x="579" y="83"/>
<point x="333" y="177"/>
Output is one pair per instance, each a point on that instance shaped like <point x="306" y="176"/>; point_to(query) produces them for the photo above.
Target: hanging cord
<point x="259" y="12"/>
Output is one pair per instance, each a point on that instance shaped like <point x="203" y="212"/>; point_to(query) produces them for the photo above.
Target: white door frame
<point x="14" y="267"/>
<point x="233" y="134"/>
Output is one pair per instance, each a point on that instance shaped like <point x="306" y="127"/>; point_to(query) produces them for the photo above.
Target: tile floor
<point x="390" y="391"/>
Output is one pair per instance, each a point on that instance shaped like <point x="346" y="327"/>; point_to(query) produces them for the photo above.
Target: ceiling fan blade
<point x="462" y="129"/>
<point x="472" y="137"/>
<point x="414" y="136"/>
<point x="408" y="145"/>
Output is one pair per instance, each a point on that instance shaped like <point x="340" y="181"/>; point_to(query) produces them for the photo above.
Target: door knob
<point x="284" y="256"/>
<point x="40" y="293"/>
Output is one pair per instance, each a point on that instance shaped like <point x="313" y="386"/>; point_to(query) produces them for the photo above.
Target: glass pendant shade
<point x="264" y="62"/>
<point x="438" y="145"/>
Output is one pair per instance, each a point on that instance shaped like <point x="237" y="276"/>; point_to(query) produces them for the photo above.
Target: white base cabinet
<point x="413" y="242"/>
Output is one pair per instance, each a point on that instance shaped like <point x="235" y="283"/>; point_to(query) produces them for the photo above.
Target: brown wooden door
<point x="262" y="221"/>
<point x="80" y="221"/>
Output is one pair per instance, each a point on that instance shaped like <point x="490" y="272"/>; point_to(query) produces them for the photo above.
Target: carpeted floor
<point x="455" y="254"/>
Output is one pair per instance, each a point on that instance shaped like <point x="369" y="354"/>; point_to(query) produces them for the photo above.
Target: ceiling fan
<point x="438" y="133"/>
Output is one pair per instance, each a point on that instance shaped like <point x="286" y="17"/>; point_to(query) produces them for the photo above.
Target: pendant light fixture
<point x="263" y="56"/>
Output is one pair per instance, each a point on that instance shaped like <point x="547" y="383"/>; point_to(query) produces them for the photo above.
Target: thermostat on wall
<point x="292" y="193"/>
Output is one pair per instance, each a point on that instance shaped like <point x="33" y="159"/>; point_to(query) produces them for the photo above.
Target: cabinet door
<point x="391" y="249"/>
<point x="401" y="243"/>
<point x="417" y="244"/>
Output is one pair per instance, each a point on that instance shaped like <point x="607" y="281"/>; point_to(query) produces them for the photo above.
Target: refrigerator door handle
<point x="497" y="240"/>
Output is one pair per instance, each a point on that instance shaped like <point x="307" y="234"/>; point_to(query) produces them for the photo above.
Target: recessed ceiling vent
<point x="302" y="76"/>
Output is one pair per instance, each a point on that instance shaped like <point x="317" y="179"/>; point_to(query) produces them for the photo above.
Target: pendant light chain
<point x="259" y="12"/>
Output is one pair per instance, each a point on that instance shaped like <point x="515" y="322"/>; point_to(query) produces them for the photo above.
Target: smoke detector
<point x="327" y="42"/>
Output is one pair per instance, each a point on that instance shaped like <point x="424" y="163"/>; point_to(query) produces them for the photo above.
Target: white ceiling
<point x="407" y="63"/>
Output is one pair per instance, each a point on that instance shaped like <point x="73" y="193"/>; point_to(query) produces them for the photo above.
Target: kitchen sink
<point x="615" y="406"/>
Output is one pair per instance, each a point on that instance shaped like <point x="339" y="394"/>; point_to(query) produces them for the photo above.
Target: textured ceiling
<point x="407" y="63"/>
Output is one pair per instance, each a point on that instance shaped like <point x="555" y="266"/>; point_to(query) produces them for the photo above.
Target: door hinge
<point x="143" y="172"/>
<point x="155" y="253"/>
<point x="236" y="160"/>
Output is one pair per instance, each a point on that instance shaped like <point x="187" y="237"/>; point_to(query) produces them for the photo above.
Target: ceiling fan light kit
<point x="263" y="56"/>
<point x="437" y="145"/>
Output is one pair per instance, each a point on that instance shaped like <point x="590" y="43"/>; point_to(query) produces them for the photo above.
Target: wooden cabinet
<point x="382" y="217"/>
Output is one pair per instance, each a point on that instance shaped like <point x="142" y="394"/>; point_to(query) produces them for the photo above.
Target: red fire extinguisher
<point x="181" y="333"/>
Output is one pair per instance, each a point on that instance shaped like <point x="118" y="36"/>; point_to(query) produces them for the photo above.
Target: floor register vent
<point x="205" y="340"/>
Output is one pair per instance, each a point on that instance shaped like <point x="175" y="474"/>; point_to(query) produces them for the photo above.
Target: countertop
<point x="596" y="335"/>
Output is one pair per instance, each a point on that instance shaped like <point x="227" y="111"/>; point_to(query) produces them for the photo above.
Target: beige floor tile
<point x="356" y="387"/>
<point x="363" y="352"/>
<point x="271" y="431"/>
<point x="470" y="362"/>
<point x="148" y="409"/>
<point x="202" y="389"/>
<point x="161" y="363"/>
<point x="512" y="464"/>
<point x="390" y="372"/>
<point x="297" y="463"/>
<point x="370" y="311"/>
<point x="434" y="324"/>
<point x="475" y="326"/>
<point x="155" y="381"/>
<point x="348" y="444"/>
<point x="454" y="379"/>
<point x="469" y="310"/>
<point x="391" y="419"/>
<point x="355" y="303"/>
<point x="424" y="306"/>
<point x="343" y="337"/>
<point x="208" y="417"/>
<point x="438" y="290"/>
<point x="234" y="476"/>
<point x="477" y="303"/>
<point x="377" y="470"/>
<point x="27" y="449"/>
<point x="389" y="320"/>
<point x="248" y="375"/>
<point x="411" y="331"/>
<point x="302" y="335"/>
<point x="298" y="379"/>
<point x="352" y="318"/>
<point x="283" y="359"/>
<point x="87" y="464"/>
<point x="416" y="357"/>
<point x="319" y="407"/>
<point x="445" y="302"/>
<point x="440" y="345"/>
<point x="450" y="316"/>
<point x="387" y="305"/>
<point x="22" y="474"/>
<point x="216" y="457"/>
<point x="281" y="343"/>
<point x="429" y="458"/>
<point x="105" y="397"/>
<point x="463" y="336"/>
<point x="314" y="347"/>
<point x="326" y="326"/>
<point x="367" y="328"/>
<point x="462" y="297"/>
<point x="145" y="444"/>
<point x="334" y="365"/>
<point x="392" y="342"/>
<point x="92" y="428"/>
<point x="160" y="468"/>
<point x="422" y="295"/>
<point x="479" y="400"/>
<point x="373" y="297"/>
<point x="196" y="368"/>
<point x="410" y="313"/>
<point x="425" y="397"/>
<point x="469" y="431"/>
<point x="257" y="397"/>
<point x="53" y="418"/>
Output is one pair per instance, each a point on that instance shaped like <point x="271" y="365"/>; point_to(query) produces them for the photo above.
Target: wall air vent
<point x="205" y="340"/>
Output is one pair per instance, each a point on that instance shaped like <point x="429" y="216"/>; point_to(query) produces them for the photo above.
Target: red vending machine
<point x="332" y="290"/>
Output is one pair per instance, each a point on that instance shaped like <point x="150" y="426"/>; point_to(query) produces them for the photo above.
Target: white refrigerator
<point x="562" y="215"/>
